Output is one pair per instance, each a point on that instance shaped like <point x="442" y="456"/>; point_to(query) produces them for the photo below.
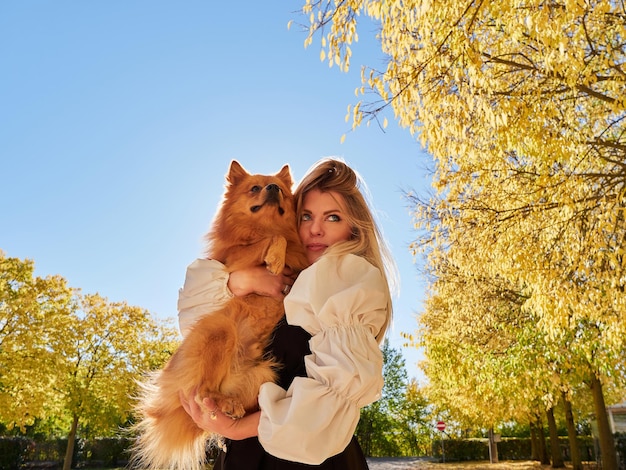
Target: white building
<point x="617" y="417"/>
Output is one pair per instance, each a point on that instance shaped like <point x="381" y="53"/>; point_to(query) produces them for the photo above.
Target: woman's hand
<point x="258" y="280"/>
<point x="209" y="418"/>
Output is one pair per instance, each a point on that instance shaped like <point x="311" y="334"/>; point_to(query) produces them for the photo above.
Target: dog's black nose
<point x="272" y="194"/>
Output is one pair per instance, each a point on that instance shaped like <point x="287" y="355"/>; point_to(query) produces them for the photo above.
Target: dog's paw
<point x="275" y="256"/>
<point x="231" y="408"/>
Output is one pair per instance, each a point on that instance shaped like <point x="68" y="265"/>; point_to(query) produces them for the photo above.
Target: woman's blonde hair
<point x="332" y="174"/>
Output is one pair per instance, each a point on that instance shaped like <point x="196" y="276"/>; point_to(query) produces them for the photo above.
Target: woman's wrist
<point x="243" y="428"/>
<point x="239" y="283"/>
<point x="208" y="417"/>
<point x="258" y="280"/>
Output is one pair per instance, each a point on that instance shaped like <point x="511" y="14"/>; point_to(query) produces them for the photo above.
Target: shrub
<point x="13" y="451"/>
<point x="105" y="451"/>
<point x="456" y="450"/>
<point x="514" y="449"/>
<point x="511" y="448"/>
<point x="620" y="446"/>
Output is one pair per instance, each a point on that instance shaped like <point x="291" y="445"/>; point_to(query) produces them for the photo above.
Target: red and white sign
<point x="441" y="426"/>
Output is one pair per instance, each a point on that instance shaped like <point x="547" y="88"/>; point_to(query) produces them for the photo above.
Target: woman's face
<point x="323" y="222"/>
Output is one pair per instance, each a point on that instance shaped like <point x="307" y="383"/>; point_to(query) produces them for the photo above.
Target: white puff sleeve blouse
<point x="342" y="303"/>
<point x="205" y="291"/>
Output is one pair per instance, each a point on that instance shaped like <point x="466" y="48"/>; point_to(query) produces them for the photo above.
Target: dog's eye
<point x="255" y="189"/>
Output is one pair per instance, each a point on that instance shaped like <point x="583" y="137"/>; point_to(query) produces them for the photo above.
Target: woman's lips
<point x="316" y="247"/>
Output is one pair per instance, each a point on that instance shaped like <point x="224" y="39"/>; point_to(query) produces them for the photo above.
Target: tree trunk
<point x="493" y="447"/>
<point x="71" y="439"/>
<point x="555" y="448"/>
<point x="608" y="455"/>
<point x="544" y="458"/>
<point x="571" y="434"/>
<point x="534" y="442"/>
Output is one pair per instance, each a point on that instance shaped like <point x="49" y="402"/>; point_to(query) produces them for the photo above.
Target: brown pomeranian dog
<point x="223" y="355"/>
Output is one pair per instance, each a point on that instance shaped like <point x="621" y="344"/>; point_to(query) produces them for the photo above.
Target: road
<point x="406" y="463"/>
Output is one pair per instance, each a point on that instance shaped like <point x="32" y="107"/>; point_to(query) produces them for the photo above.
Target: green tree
<point x="414" y="424"/>
<point x="391" y="425"/>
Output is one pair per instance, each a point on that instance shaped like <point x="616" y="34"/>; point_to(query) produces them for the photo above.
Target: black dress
<point x="289" y="346"/>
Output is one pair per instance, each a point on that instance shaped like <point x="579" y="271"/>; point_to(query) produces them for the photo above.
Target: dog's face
<point x="260" y="200"/>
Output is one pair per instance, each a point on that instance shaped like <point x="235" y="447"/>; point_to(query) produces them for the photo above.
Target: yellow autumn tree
<point x="527" y="94"/>
<point x="71" y="358"/>
<point x="486" y="360"/>
<point x="546" y="249"/>
<point x="29" y="305"/>
<point x="105" y="349"/>
<point x="522" y="105"/>
<point x="579" y="348"/>
<point x="475" y="341"/>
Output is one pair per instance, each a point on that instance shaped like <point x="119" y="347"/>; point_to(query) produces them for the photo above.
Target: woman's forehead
<point x="316" y="199"/>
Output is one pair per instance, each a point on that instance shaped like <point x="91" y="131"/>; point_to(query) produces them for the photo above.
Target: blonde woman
<point x="336" y="314"/>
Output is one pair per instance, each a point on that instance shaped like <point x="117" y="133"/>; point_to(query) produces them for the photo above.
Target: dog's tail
<point x="165" y="435"/>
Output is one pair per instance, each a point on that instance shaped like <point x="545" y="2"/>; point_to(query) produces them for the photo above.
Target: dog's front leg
<point x="275" y="255"/>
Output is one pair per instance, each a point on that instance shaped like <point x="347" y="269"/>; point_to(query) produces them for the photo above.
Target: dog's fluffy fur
<point x="223" y="355"/>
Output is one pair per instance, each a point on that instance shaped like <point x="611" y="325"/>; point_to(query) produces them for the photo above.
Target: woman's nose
<point x="316" y="228"/>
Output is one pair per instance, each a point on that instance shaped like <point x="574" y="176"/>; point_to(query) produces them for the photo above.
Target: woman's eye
<point x="306" y="217"/>
<point x="334" y="218"/>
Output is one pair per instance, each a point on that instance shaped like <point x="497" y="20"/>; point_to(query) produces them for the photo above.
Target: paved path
<point x="424" y="463"/>
<point x="405" y="463"/>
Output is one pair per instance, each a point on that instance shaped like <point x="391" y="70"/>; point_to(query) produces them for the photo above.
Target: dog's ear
<point x="285" y="175"/>
<point x="235" y="172"/>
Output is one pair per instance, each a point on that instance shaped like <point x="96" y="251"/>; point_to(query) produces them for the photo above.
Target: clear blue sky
<point x="118" y="120"/>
